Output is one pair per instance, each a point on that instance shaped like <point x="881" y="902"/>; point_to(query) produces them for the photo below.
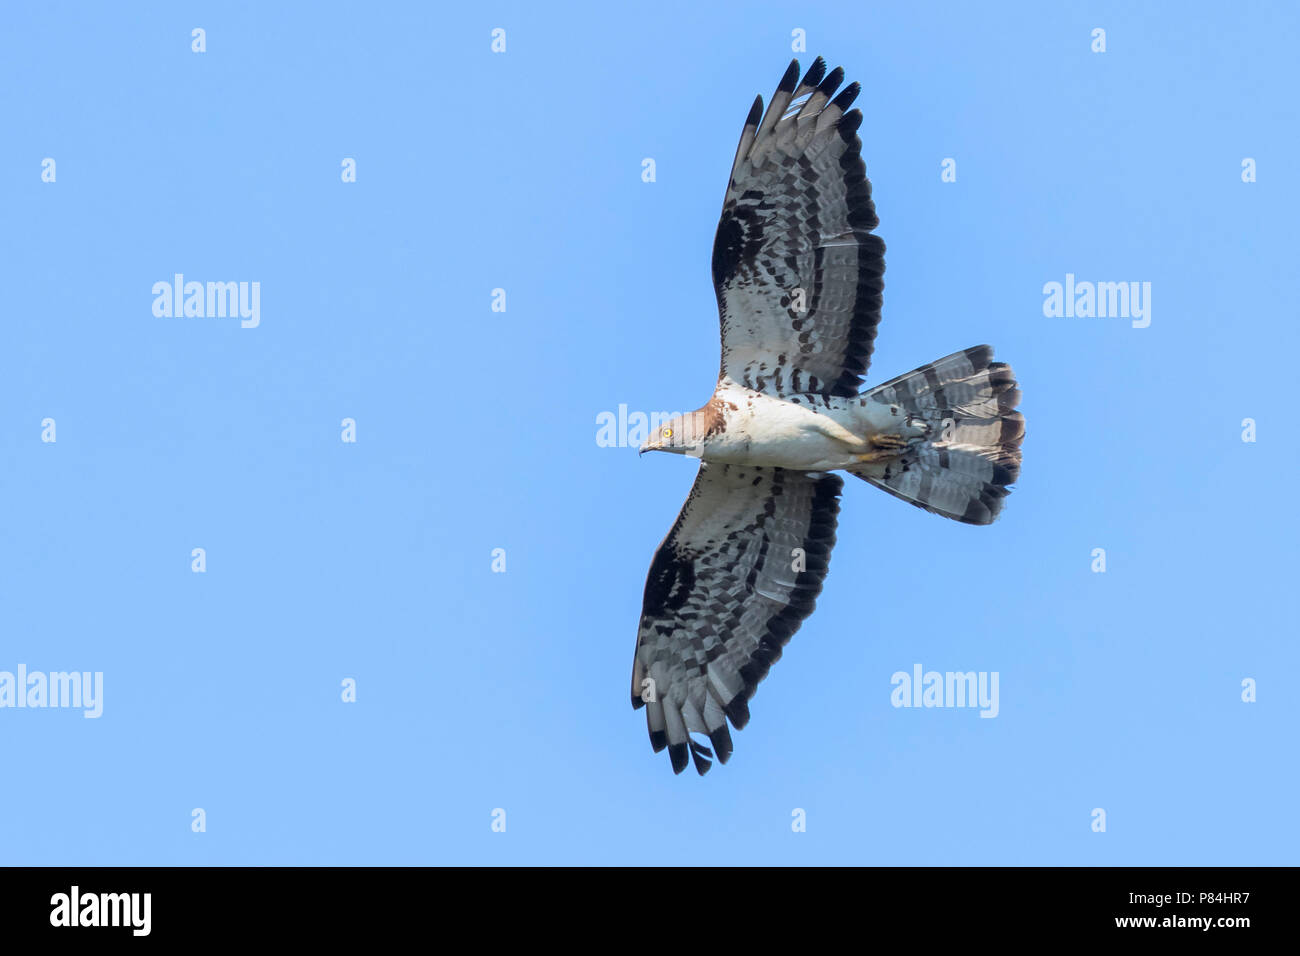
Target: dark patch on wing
<point x="799" y="213"/>
<point x="723" y="598"/>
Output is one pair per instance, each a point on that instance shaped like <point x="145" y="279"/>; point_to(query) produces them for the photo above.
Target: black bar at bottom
<point x="88" y="905"/>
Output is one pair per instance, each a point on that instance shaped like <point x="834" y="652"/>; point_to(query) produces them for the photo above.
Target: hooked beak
<point x="658" y="446"/>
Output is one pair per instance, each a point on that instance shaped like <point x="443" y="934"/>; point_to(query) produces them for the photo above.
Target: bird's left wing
<point x="796" y="267"/>
<point x="730" y="584"/>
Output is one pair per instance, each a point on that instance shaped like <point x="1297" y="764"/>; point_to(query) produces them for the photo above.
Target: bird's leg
<point x="884" y="447"/>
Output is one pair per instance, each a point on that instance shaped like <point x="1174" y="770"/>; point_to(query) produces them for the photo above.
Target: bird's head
<point x="680" y="435"/>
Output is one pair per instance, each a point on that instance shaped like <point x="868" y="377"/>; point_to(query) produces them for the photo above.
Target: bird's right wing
<point x="730" y="584"/>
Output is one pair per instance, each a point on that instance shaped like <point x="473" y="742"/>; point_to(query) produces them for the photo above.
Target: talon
<point x="893" y="442"/>
<point x="886" y="447"/>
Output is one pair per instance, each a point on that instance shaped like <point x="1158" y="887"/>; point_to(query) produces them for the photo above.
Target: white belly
<point x="805" y="432"/>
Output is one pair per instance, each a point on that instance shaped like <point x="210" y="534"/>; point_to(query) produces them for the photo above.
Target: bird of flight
<point x="798" y="274"/>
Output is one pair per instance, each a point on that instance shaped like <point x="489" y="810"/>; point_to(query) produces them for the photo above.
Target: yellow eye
<point x="668" y="433"/>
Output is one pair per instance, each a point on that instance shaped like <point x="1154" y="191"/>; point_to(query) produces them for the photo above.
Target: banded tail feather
<point x="969" y="452"/>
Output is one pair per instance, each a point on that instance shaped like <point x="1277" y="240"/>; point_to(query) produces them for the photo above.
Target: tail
<point x="965" y="436"/>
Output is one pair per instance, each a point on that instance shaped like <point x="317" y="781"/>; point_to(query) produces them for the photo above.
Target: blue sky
<point x="476" y="430"/>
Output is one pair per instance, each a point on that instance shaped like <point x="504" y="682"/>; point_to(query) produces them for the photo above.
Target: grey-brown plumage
<point x="791" y="176"/>
<point x="733" y="580"/>
<point x="970" y="401"/>
<point x="798" y="275"/>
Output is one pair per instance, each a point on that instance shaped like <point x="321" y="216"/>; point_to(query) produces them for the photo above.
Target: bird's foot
<point x="884" y="447"/>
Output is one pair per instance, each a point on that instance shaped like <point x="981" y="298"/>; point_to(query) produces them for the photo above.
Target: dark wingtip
<point x="791" y="77"/>
<point x="755" y="111"/>
<point x="677" y="753"/>
<point x="832" y="81"/>
<point x="815" y="73"/>
<point x="738" y="711"/>
<point x="658" y="740"/>
<point x="721" y="740"/>
<point x="702" y="757"/>
<point x="847" y="95"/>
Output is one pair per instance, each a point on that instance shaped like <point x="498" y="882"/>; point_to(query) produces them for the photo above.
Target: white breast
<point x="807" y="434"/>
